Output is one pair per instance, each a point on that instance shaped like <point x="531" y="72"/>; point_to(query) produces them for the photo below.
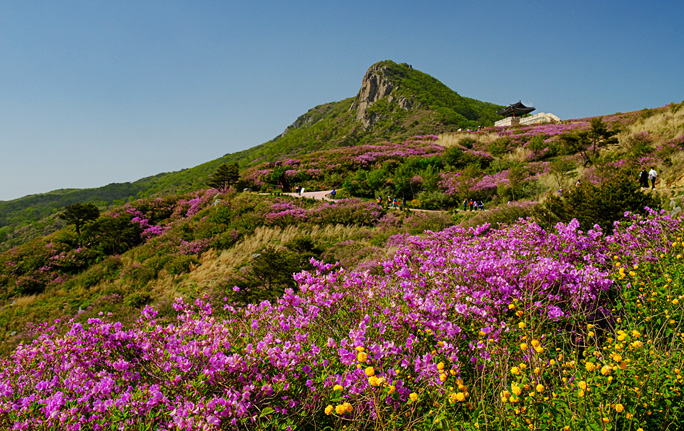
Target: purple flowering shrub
<point x="431" y="336"/>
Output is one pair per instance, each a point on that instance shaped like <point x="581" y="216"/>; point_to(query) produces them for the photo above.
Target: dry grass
<point x="215" y="267"/>
<point x="519" y="155"/>
<point x="25" y="301"/>
<point x="664" y="125"/>
<point x="452" y="139"/>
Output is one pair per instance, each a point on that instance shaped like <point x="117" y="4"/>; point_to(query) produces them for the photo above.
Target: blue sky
<point x="95" y="92"/>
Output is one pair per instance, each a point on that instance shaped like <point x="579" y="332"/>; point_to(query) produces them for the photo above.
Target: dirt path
<point x="321" y="195"/>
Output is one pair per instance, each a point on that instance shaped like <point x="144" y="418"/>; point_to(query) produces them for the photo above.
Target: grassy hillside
<point x="548" y="295"/>
<point x="154" y="248"/>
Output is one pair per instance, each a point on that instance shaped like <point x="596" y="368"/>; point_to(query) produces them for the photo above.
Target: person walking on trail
<point x="403" y="203"/>
<point x="333" y="193"/>
<point x="652" y="175"/>
<point x="643" y="178"/>
<point x="465" y="204"/>
<point x="380" y="200"/>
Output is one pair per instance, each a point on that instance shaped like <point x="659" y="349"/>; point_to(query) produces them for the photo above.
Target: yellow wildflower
<point x="337" y="388"/>
<point x="413" y="397"/>
<point x="370" y="371"/>
<point x="362" y="357"/>
<point x="328" y="410"/>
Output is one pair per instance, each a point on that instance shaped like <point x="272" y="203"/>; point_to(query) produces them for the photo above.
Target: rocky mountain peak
<point x="378" y="83"/>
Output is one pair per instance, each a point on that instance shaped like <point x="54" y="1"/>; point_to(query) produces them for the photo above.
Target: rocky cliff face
<point x="376" y="85"/>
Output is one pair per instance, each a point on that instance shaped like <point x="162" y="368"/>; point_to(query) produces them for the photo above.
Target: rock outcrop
<point x="377" y="85"/>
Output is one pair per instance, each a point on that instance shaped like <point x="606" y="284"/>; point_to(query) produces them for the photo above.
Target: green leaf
<point x="265" y="412"/>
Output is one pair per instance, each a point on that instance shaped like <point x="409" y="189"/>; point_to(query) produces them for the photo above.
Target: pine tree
<point x="79" y="214"/>
<point x="224" y="177"/>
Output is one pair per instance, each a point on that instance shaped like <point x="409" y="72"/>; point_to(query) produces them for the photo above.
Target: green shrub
<point x="138" y="299"/>
<point x="29" y="285"/>
<point x="139" y="275"/>
<point x="600" y="204"/>
<point x="181" y="264"/>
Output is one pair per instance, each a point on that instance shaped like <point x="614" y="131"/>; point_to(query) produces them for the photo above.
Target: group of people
<point x="392" y="202"/>
<point x="645" y="177"/>
<point x="473" y="205"/>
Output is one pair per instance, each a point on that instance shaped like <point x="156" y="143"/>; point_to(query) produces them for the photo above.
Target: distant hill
<point x="395" y="102"/>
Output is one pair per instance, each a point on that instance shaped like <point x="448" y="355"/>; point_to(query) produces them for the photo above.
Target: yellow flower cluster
<point x="340" y="409"/>
<point x="457" y="396"/>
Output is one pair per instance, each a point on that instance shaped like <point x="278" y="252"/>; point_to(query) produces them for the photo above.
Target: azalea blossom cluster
<point x="406" y="328"/>
<point x="347" y="158"/>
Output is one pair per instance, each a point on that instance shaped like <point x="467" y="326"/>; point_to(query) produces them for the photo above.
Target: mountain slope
<point x="395" y="102"/>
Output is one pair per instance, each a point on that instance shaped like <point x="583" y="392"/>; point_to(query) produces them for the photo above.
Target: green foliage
<point x="560" y="169"/>
<point x="499" y="146"/>
<point x="433" y="200"/>
<point x="600" y="204"/>
<point x="638" y="145"/>
<point x="79" y="214"/>
<point x="112" y="235"/>
<point x="588" y="142"/>
<point x="181" y="264"/>
<point x="138" y="299"/>
<point x="270" y="272"/>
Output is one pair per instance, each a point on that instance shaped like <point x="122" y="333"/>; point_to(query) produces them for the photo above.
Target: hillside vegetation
<point x="436" y="109"/>
<point x="557" y="307"/>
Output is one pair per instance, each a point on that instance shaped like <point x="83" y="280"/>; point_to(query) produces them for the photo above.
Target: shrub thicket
<point x="596" y="204"/>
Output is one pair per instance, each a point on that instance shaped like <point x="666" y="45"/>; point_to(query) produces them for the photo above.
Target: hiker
<point x="481" y="205"/>
<point x="403" y="203"/>
<point x="333" y="193"/>
<point x="465" y="204"/>
<point x="560" y="191"/>
<point x="652" y="174"/>
<point x="578" y="183"/>
<point x="380" y="200"/>
<point x="394" y="203"/>
<point x="643" y="178"/>
<point x="301" y="191"/>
